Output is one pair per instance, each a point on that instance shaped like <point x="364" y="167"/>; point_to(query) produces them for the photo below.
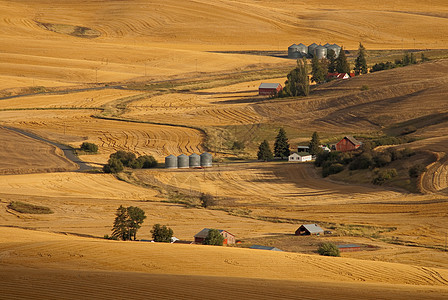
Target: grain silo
<point x="311" y="48"/>
<point x="320" y="52"/>
<point x="206" y="160"/>
<point x="293" y="51"/>
<point x="171" y="162"/>
<point x="335" y="48"/>
<point x="327" y="45"/>
<point x="195" y="160"/>
<point x="303" y="49"/>
<point x="183" y="162"/>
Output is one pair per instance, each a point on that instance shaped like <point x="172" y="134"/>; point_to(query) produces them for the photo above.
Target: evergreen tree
<point x="315" y="146"/>
<point x="298" y="83"/>
<point x="214" y="238"/>
<point x="413" y="59"/>
<point x="318" y="70"/>
<point x="281" y="145"/>
<point x="424" y="58"/>
<point x="342" y="65"/>
<point x="120" y="229"/>
<point x="161" y="233"/>
<point x="136" y="218"/>
<point x="264" y="151"/>
<point x="406" y="59"/>
<point x="361" y="62"/>
<point x="331" y="57"/>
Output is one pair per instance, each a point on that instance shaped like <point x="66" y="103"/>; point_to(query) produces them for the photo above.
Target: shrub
<point x="332" y="169"/>
<point x="237" y="145"/>
<point x="144" y="162"/>
<point x="365" y="88"/>
<point x="27" y="208"/>
<point x="89" y="147"/>
<point x="214" y="238"/>
<point x="328" y="249"/>
<point x="383" y="176"/>
<point x="113" y="166"/>
<point x="161" y="234"/>
<point x="206" y="200"/>
<point x="126" y="158"/>
<point x="416" y="171"/>
<point x="382" y="159"/>
<point x="363" y="161"/>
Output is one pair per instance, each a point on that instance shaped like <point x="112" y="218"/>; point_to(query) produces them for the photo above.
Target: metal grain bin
<point x="320" y="52"/>
<point x="293" y="51"/>
<point x="171" y="162"/>
<point x="183" y="162"/>
<point x="327" y="45"/>
<point x="195" y="160"/>
<point x="303" y="49"/>
<point x="206" y="159"/>
<point x="335" y="48"/>
<point x="311" y="48"/>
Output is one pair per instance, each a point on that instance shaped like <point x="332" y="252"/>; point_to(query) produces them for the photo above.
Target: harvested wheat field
<point x="181" y="77"/>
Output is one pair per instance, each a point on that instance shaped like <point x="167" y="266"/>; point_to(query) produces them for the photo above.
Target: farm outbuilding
<point x="171" y="162"/>
<point x="206" y="160"/>
<point x="194" y="160"/>
<point x="309" y="229"/>
<point x="269" y="89"/>
<point x="303" y="149"/>
<point x="183" y="161"/>
<point x="199" y="237"/>
<point x="348" y="143"/>
<point x="349" y="248"/>
<point x="259" y="247"/>
<point x="293" y="157"/>
<point x="304" y="158"/>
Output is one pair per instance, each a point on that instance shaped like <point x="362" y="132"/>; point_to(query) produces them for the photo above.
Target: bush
<point x="27" y="208"/>
<point x="237" y="145"/>
<point x="89" y="147"/>
<point x="383" y="176"/>
<point x="161" y="234"/>
<point x="416" y="171"/>
<point x="363" y="161"/>
<point x="214" y="238"/>
<point x="113" y="166"/>
<point x="144" y="162"/>
<point x="328" y="249"/>
<point x="332" y="169"/>
<point x="365" y="88"/>
<point x="382" y="159"/>
<point x="126" y="158"/>
<point x="206" y="200"/>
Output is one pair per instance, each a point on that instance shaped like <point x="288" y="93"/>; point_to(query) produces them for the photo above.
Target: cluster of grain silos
<point x="300" y="50"/>
<point x="184" y="162"/>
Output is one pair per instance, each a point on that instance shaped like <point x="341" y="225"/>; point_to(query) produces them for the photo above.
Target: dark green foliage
<point x="416" y="171"/>
<point x="27" y="208"/>
<point x="298" y="83"/>
<point x="281" y="145"/>
<point x="382" y="159"/>
<point x="328" y="249"/>
<point x="206" y="200"/>
<point x="342" y="65"/>
<point x="161" y="233"/>
<point x="127" y="222"/>
<point x="107" y="237"/>
<point x="360" y="61"/>
<point x="237" y="145"/>
<point x="89" y="147"/>
<point x="264" y="151"/>
<point x="315" y="146"/>
<point x="363" y="161"/>
<point x="383" y="176"/>
<point x="423" y="58"/>
<point x="331" y="57"/>
<point x="214" y="238"/>
<point x="126" y="158"/>
<point x="332" y="168"/>
<point x="113" y="166"/>
<point x="144" y="162"/>
<point x="318" y="70"/>
<point x="382" y="66"/>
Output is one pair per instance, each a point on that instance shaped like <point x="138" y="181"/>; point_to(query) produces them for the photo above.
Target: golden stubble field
<point x="158" y="63"/>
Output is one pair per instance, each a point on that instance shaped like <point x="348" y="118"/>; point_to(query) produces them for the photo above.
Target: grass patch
<point x="26" y="208"/>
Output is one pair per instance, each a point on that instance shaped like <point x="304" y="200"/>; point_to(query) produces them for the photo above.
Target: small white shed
<point x="303" y="158"/>
<point x="294" y="157"/>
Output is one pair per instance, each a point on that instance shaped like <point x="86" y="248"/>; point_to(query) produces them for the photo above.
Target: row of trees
<point x="406" y="60"/>
<point x="281" y="147"/>
<point x="120" y="159"/>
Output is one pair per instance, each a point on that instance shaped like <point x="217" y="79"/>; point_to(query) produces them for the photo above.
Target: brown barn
<point x="309" y="229"/>
<point x="348" y="143"/>
<point x="201" y="235"/>
<point x="269" y="89"/>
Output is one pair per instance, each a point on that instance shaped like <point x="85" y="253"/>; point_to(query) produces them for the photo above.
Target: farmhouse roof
<point x="269" y="85"/>
<point x="259" y="247"/>
<point x="313" y="228"/>
<point x="204" y="233"/>
<point x="352" y="140"/>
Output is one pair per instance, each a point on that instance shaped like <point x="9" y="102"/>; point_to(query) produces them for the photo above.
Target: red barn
<point x="348" y="143"/>
<point x="269" y="89"/>
<point x="201" y="235"/>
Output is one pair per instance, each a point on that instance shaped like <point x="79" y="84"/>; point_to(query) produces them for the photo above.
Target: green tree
<point x="89" y="147"/>
<point x="328" y="249"/>
<point x="264" y="151"/>
<point x="315" y="145"/>
<point x="342" y="65"/>
<point x="281" y="145"/>
<point x="136" y="218"/>
<point x="145" y="162"/>
<point x="298" y="83"/>
<point x="120" y="229"/>
<point x="360" y="61"/>
<point x="125" y="157"/>
<point x="113" y="166"/>
<point x="331" y="57"/>
<point x="161" y="233"/>
<point x="214" y="238"/>
<point x="318" y="70"/>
